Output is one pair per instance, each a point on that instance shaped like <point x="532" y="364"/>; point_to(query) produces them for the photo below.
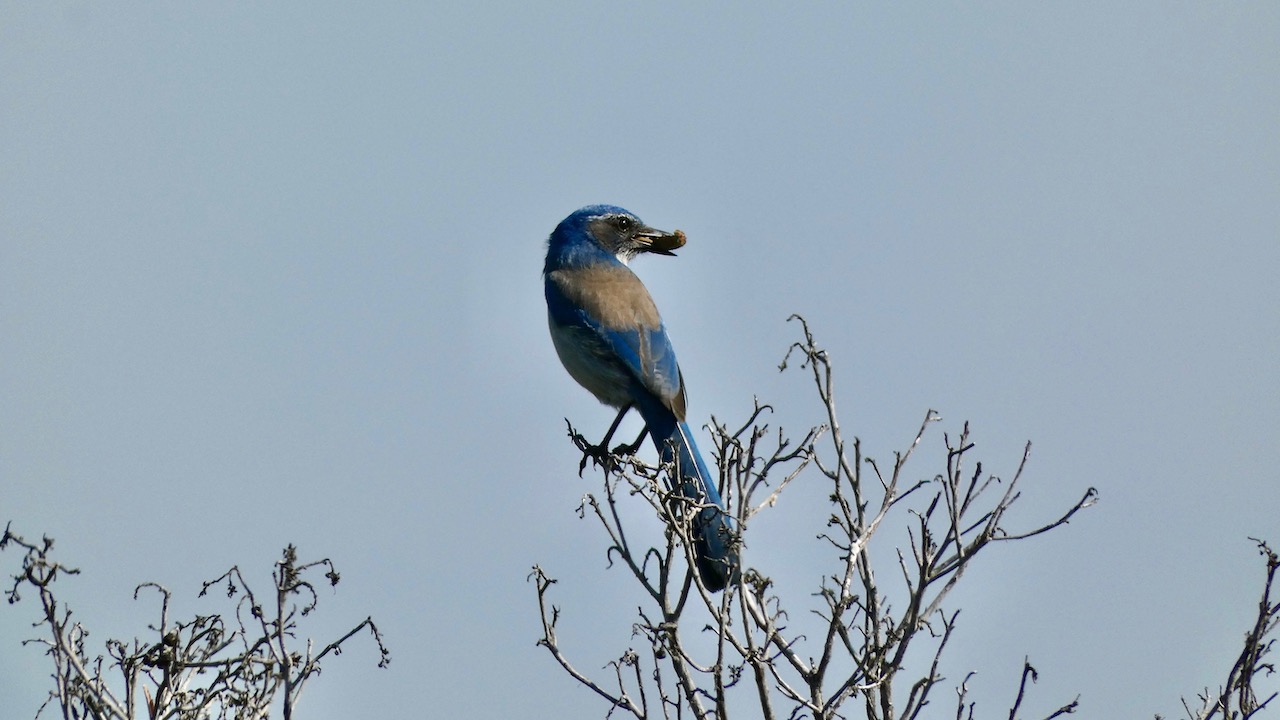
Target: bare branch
<point x="197" y="668"/>
<point x="868" y="633"/>
<point x="1238" y="696"/>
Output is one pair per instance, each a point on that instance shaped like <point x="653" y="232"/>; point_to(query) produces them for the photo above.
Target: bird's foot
<point x="628" y="448"/>
<point x="599" y="455"/>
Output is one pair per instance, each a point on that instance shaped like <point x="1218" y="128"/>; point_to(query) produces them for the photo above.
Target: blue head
<point x="599" y="232"/>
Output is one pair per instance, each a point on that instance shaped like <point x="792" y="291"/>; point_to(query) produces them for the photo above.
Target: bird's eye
<point x="624" y="223"/>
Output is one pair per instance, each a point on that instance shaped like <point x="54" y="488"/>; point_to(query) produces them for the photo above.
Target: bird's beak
<point x="659" y="242"/>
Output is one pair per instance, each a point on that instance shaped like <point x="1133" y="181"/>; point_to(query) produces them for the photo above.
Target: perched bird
<point x="610" y="338"/>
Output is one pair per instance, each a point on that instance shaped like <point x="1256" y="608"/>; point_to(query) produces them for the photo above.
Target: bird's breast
<point x="591" y="363"/>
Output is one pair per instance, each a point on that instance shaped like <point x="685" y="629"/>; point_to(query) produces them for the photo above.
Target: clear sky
<point x="271" y="274"/>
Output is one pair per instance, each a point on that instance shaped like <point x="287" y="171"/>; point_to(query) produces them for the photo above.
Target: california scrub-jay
<point x="609" y="337"/>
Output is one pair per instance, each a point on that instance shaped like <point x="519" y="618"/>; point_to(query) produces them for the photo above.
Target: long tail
<point x="713" y="531"/>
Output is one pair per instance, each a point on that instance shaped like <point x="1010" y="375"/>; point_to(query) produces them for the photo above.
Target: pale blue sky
<point x="271" y="274"/>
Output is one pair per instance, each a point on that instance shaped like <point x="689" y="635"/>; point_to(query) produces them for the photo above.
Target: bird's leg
<point x="599" y="454"/>
<point x="633" y="447"/>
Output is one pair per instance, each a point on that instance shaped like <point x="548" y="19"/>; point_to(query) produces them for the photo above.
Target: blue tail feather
<point x="713" y="530"/>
